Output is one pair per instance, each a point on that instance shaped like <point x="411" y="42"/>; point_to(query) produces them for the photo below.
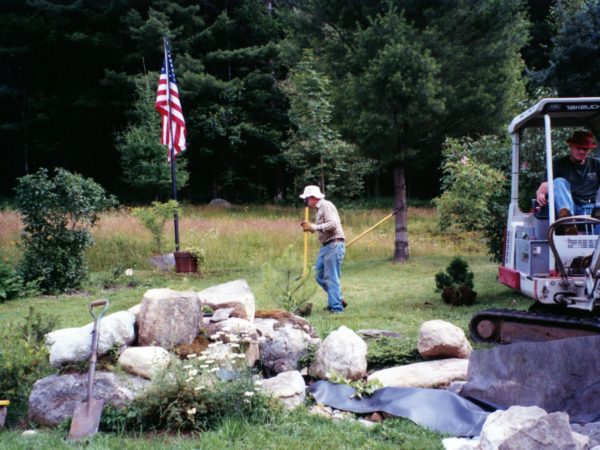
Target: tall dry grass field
<point x="248" y="236"/>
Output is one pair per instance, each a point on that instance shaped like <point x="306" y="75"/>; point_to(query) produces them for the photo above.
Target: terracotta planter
<point x="185" y="263"/>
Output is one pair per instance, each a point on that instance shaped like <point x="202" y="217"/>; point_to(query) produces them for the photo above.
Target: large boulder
<point x="441" y="339"/>
<point x="284" y="342"/>
<point x="549" y="432"/>
<point x="53" y="399"/>
<point x="234" y="294"/>
<point x="427" y="374"/>
<point x="529" y="427"/>
<point x="145" y="362"/>
<point x="344" y="353"/>
<point x="288" y="387"/>
<point x="168" y="318"/>
<point x="71" y="345"/>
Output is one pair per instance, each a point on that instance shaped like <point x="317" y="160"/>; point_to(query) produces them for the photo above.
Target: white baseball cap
<point x="312" y="191"/>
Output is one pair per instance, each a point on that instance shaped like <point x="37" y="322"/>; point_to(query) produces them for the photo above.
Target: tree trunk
<point x="401" y="241"/>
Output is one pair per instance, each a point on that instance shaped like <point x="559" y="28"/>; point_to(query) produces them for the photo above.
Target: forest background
<point x="378" y="86"/>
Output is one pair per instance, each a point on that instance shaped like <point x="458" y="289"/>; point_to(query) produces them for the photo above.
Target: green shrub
<point x="57" y="214"/>
<point x="23" y="361"/>
<point x="362" y="387"/>
<point x="11" y="282"/>
<point x="194" y="396"/>
<point x="456" y="284"/>
<point x="154" y="218"/>
<point x="385" y="352"/>
<point x="283" y="283"/>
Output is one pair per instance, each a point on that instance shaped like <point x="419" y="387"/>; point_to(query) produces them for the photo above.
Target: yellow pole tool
<point x="305" y="267"/>
<point x="372" y="228"/>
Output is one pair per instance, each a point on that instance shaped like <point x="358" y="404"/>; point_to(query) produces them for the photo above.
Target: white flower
<point x="204" y="366"/>
<point x="191" y="412"/>
<point x="191" y="355"/>
<point x="214" y="369"/>
<point x="193" y="372"/>
<point x="129" y="272"/>
<point x="197" y="388"/>
<point x="258" y="383"/>
<point x="248" y="394"/>
<point x="187" y="366"/>
<point x="234" y="345"/>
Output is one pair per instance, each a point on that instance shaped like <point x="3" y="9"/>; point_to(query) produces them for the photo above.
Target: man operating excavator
<point x="576" y="180"/>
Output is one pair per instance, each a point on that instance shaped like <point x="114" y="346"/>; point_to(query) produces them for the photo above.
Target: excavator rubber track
<point x="505" y="326"/>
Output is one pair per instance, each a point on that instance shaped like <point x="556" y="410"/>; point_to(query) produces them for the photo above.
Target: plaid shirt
<point x="328" y="222"/>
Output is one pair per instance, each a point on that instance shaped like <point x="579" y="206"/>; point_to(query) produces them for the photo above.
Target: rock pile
<point x="150" y="336"/>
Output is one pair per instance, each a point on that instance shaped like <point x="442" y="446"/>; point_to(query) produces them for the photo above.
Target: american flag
<point x="169" y="106"/>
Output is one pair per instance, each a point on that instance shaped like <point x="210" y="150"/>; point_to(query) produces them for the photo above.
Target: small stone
<point x="376" y="417"/>
<point x="367" y="423"/>
<point x="28" y="433"/>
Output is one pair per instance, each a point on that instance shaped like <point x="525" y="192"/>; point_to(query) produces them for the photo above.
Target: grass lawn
<point x="381" y="295"/>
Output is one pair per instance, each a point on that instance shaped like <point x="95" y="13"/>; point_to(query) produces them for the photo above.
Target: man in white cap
<point x="333" y="248"/>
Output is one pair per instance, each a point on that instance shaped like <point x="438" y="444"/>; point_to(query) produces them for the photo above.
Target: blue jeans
<point x="328" y="270"/>
<point x="564" y="199"/>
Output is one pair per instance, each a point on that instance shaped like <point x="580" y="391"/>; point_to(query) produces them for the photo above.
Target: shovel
<point x="305" y="266"/>
<point x="86" y="417"/>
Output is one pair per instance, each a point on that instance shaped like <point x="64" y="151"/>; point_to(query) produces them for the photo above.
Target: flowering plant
<point x="196" y="394"/>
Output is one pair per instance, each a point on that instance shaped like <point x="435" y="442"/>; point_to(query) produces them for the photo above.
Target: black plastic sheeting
<point x="436" y="409"/>
<point x="561" y="375"/>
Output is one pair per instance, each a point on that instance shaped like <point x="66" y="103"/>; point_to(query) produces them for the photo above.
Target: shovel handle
<point x="102" y="302"/>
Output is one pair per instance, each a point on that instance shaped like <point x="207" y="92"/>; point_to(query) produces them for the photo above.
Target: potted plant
<point x="188" y="261"/>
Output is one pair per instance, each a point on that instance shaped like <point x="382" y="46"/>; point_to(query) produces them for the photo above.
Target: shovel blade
<point x="86" y="419"/>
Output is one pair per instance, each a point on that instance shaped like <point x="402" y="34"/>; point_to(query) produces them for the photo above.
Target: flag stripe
<point x="169" y="106"/>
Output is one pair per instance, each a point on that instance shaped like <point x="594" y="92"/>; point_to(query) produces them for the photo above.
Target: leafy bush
<point x="193" y="397"/>
<point x="362" y="387"/>
<point x="456" y="283"/>
<point x="11" y="282"/>
<point x="57" y="213"/>
<point x="154" y="218"/>
<point x="469" y="186"/>
<point x="283" y="283"/>
<point x="23" y="360"/>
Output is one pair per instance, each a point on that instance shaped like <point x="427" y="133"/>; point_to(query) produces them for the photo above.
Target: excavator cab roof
<point x="563" y="112"/>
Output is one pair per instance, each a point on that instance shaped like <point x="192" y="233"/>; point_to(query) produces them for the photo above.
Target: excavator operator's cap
<point x="312" y="191"/>
<point x="583" y="139"/>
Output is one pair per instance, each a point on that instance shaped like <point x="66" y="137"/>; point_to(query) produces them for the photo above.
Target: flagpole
<point x="171" y="149"/>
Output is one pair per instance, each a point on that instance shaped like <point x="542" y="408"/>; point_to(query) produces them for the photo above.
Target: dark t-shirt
<point x="584" y="179"/>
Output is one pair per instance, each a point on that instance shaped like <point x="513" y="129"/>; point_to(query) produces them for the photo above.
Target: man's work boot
<point x="568" y="230"/>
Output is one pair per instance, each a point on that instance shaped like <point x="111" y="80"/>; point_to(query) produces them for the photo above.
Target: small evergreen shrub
<point x="283" y="283"/>
<point x="23" y="361"/>
<point x="57" y="213"/>
<point x="456" y="284"/>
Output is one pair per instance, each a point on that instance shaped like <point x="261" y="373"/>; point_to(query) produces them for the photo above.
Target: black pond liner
<point x="435" y="409"/>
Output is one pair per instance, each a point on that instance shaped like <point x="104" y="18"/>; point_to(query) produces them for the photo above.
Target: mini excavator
<point x="560" y="272"/>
